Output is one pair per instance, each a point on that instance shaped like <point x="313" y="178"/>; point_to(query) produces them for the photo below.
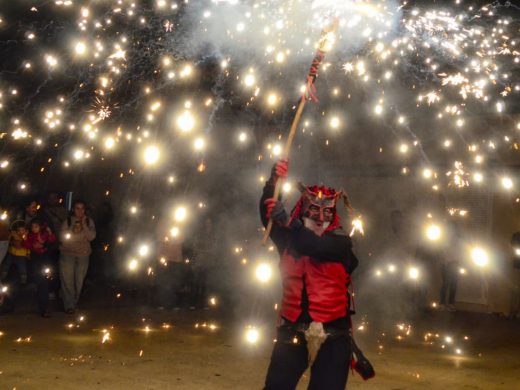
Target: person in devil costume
<point x="316" y="262"/>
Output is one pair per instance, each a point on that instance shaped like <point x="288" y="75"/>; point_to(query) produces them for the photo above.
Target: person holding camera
<point x="76" y="234"/>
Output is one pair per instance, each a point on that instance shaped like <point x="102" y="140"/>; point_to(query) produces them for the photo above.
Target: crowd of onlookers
<point x="185" y="267"/>
<point x="48" y="247"/>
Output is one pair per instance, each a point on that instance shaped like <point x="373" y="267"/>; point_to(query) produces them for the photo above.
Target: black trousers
<point x="198" y="288"/>
<point x="289" y="361"/>
<point x="450" y="278"/>
<point x="43" y="280"/>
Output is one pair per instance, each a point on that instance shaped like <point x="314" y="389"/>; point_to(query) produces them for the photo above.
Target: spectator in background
<point x="203" y="262"/>
<point x="450" y="279"/>
<point x="29" y="212"/>
<point x="54" y="211"/>
<point x="102" y="259"/>
<point x="172" y="271"/>
<point x="422" y="288"/>
<point x="76" y="234"/>
<point x="450" y="270"/>
<point x="17" y="253"/>
<point x="39" y="240"/>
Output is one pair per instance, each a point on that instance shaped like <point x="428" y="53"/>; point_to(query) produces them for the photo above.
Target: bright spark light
<point x="186" y="122"/>
<point x="272" y="99"/>
<point x="151" y="155"/>
<point x="250" y="80"/>
<point x="144" y="250"/>
<point x="335" y="123"/>
<point x="109" y="143"/>
<point x="252" y="335"/>
<point x="413" y="273"/>
<point x="427" y="173"/>
<point x="186" y="71"/>
<point x="507" y="183"/>
<point x="199" y="144"/>
<point x="264" y="272"/>
<point x="277" y="150"/>
<point x="133" y="264"/>
<point x="478" y="177"/>
<point x="80" y="48"/>
<point x="180" y="214"/>
<point x="357" y="226"/>
<point x="175" y="231"/>
<point x="433" y="232"/>
<point x="242" y="137"/>
<point x="480" y="257"/>
<point x="106" y="336"/>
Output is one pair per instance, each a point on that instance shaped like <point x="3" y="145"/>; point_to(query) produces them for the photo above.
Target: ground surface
<point x="37" y="353"/>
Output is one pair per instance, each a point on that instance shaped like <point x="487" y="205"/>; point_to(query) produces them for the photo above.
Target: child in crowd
<point x="38" y="241"/>
<point x="18" y="253"/>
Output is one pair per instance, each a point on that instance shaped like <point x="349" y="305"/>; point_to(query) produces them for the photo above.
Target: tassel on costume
<point x="315" y="336"/>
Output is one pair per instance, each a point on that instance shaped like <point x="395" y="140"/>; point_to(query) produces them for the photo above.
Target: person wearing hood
<point x="316" y="263"/>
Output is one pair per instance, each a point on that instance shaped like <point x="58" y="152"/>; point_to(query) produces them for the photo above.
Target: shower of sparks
<point x="463" y="58"/>
<point x="120" y="79"/>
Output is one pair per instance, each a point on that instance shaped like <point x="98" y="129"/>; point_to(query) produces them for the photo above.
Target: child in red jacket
<point x="38" y="241"/>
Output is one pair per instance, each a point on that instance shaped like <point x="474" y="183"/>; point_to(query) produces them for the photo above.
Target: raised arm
<point x="279" y="234"/>
<point x="89" y="229"/>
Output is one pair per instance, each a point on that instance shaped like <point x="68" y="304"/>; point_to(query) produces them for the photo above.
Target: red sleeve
<point x="28" y="242"/>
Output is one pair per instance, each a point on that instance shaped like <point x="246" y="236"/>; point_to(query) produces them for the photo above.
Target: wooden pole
<point x="322" y="49"/>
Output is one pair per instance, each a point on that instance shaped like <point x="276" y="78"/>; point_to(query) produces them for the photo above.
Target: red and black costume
<point x="315" y="272"/>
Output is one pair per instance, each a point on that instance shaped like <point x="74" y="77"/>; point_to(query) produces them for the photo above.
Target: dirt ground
<point x="162" y="349"/>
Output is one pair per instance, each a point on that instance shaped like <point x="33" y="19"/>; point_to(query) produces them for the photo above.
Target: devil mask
<point x="317" y="208"/>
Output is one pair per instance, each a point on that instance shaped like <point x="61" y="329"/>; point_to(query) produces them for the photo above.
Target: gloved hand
<point x="276" y="212"/>
<point x="280" y="169"/>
